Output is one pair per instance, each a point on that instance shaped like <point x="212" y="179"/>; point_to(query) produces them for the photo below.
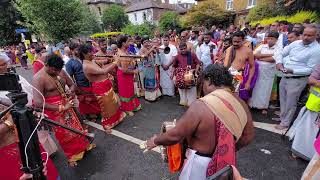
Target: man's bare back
<point x="93" y="72"/>
<point x="204" y="138"/>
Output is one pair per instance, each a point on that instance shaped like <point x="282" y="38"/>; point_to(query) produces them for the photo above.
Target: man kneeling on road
<point x="214" y="126"/>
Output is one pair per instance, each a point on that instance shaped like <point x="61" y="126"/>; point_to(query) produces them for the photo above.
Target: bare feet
<point x="294" y="156"/>
<point x="277" y="113"/>
<point x="264" y="112"/>
<point x="280" y="127"/>
<point x="130" y="113"/>
<point x="107" y="129"/>
<point x="276" y="119"/>
<point x="73" y="163"/>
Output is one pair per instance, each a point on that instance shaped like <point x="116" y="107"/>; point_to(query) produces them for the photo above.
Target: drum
<point x="189" y="78"/>
<point x="109" y="103"/>
<point x="173" y="155"/>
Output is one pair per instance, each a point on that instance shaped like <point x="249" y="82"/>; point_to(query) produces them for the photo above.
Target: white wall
<point x="139" y="15"/>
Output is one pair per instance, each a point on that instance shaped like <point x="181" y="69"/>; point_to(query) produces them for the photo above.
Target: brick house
<point x="240" y="8"/>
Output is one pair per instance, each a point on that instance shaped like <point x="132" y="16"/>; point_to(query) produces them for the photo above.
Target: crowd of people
<point x="218" y="73"/>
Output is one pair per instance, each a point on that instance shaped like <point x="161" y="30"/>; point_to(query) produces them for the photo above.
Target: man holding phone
<point x="296" y="62"/>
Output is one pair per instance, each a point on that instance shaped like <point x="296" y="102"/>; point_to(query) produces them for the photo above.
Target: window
<point x="135" y="17"/>
<point x="252" y="3"/>
<point x="229" y="4"/>
<point x="144" y="16"/>
<point x="99" y="9"/>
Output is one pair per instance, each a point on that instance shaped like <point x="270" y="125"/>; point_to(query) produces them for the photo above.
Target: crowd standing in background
<point x="265" y="66"/>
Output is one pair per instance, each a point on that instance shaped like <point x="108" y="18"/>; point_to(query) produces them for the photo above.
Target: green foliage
<point x="8" y="23"/>
<point x="105" y="35"/>
<point x="142" y="29"/>
<point x="169" y="20"/>
<point x="90" y="22"/>
<point x="206" y="13"/>
<point x="299" y="17"/>
<point x="261" y="12"/>
<point x="114" y="18"/>
<point x="56" y="20"/>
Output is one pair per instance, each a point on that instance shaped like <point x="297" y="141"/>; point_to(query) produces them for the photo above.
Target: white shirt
<point x="299" y="57"/>
<point x="205" y="54"/>
<point x="173" y="52"/>
<point x="265" y="49"/>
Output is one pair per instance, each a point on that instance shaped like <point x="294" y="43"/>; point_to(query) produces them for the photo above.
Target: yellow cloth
<point x="234" y="121"/>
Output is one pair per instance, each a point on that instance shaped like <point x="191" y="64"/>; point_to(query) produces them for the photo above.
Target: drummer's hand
<point x="69" y="105"/>
<point x="150" y="143"/>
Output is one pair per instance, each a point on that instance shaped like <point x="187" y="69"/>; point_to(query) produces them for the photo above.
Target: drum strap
<point x="189" y="58"/>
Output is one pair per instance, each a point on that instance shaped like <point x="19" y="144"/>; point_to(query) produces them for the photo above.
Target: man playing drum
<point x="185" y="63"/>
<point x="214" y="126"/>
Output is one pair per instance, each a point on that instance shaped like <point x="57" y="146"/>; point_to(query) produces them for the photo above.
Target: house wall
<point x="240" y="5"/>
<point x="139" y="15"/>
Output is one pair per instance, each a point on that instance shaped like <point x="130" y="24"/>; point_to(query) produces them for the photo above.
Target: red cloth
<point x="71" y="143"/>
<point x="11" y="163"/>
<point x="181" y="61"/>
<point x="100" y="88"/>
<point x="37" y="66"/>
<point x="126" y="92"/>
<point x="225" y="151"/>
<point x="88" y="103"/>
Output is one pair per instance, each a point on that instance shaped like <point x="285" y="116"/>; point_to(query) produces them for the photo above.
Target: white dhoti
<point x="152" y="95"/>
<point x="195" y="166"/>
<point x="312" y="171"/>
<point x="304" y="132"/>
<point x="187" y="96"/>
<point x="262" y="90"/>
<point x="166" y="83"/>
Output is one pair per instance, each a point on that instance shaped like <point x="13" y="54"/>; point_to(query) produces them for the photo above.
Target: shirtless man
<point x="238" y="55"/>
<point x="50" y="82"/>
<point x="101" y="87"/>
<point x="204" y="130"/>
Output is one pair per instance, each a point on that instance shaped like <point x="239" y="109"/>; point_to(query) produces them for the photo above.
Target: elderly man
<point x="296" y="62"/>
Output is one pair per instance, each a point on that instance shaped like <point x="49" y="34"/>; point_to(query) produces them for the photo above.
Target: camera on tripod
<point x="25" y="124"/>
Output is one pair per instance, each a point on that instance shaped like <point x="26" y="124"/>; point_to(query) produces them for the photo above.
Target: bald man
<point x="296" y="62"/>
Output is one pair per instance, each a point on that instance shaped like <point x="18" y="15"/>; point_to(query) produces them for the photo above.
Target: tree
<point x="114" y="18"/>
<point x="56" y="20"/>
<point x="90" y="24"/>
<point x="9" y="17"/>
<point x="205" y="13"/>
<point x="169" y="20"/>
<point x="261" y="12"/>
<point x="141" y="30"/>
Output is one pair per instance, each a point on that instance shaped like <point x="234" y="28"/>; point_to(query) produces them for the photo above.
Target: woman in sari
<point x="125" y="74"/>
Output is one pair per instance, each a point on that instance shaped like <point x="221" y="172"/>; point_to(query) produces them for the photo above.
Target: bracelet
<point x="9" y="124"/>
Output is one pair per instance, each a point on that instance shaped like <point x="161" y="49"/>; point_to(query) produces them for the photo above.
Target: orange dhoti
<point x="73" y="145"/>
<point x="109" y="103"/>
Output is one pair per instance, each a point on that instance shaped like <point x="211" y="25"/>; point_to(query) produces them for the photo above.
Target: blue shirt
<point x="75" y="70"/>
<point x="299" y="57"/>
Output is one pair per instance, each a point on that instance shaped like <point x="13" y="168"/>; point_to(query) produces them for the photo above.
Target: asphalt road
<point x="118" y="159"/>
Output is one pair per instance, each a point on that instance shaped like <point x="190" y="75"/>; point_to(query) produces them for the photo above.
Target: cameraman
<point x="9" y="153"/>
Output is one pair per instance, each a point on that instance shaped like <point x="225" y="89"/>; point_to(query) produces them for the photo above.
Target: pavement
<point x="118" y="157"/>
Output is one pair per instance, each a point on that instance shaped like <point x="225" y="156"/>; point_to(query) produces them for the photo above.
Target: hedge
<point x="299" y="17"/>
